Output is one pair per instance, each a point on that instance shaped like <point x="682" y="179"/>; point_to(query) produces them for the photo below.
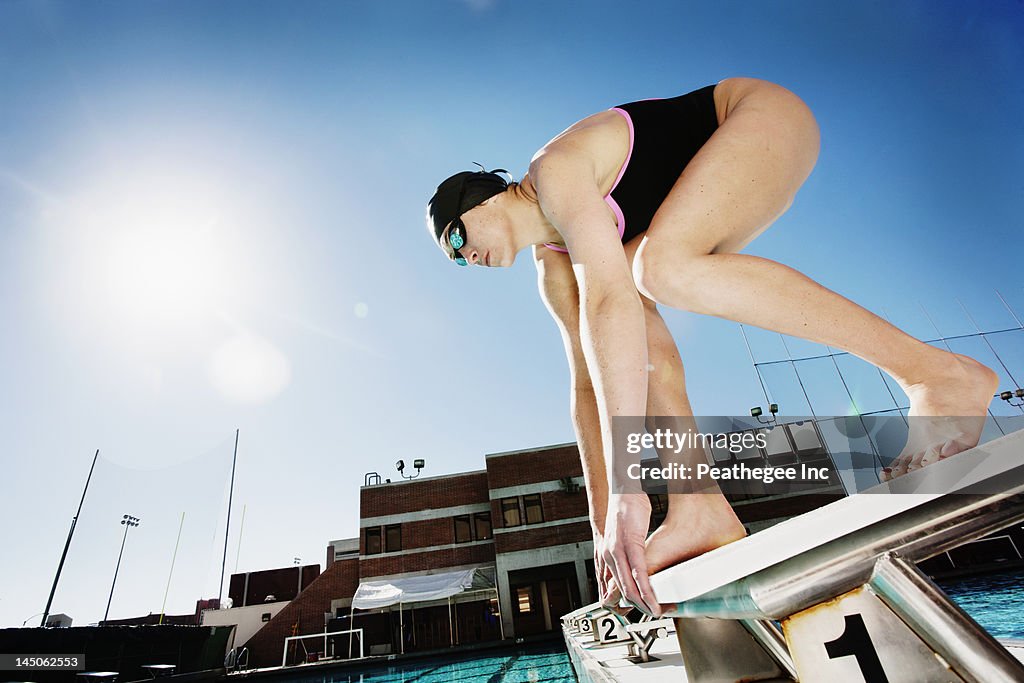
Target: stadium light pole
<point x="128" y="521"/>
<point x="67" y="543"/>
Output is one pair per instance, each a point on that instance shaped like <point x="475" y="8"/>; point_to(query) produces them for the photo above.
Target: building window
<point x="523" y="599"/>
<point x="534" y="513"/>
<point x="393" y="538"/>
<point x="477" y="527"/>
<point x="510" y="512"/>
<point x="265" y="617"/>
<point x="373" y="540"/>
<point x="482" y="524"/>
<point x="463" y="529"/>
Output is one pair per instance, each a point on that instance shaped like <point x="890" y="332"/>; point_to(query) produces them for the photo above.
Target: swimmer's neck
<point x="531" y="225"/>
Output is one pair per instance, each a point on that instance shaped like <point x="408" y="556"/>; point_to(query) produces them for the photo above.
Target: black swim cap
<point x="460" y="193"/>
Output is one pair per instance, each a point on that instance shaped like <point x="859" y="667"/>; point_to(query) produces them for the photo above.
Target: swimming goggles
<point x="456" y="240"/>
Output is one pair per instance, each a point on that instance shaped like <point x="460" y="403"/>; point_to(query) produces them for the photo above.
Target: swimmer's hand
<point x="629" y="515"/>
<point x="602" y="572"/>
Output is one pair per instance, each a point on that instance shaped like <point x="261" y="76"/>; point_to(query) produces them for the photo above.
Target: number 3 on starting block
<point x="608" y="628"/>
<point x="856" y="638"/>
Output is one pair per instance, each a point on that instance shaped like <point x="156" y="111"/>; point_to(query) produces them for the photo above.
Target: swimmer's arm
<point x="614" y="343"/>
<point x="611" y="316"/>
<point x="557" y="284"/>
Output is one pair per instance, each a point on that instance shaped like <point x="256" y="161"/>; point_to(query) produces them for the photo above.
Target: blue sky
<point x="211" y="217"/>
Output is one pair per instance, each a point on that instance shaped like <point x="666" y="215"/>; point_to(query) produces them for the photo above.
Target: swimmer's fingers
<point x="630" y="568"/>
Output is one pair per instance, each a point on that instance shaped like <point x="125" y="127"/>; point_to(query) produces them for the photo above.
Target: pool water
<point x="543" y="663"/>
<point x="996" y="601"/>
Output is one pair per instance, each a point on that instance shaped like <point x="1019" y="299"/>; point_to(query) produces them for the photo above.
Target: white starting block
<point x="841" y="579"/>
<point x="581" y="621"/>
<point x="585" y="621"/>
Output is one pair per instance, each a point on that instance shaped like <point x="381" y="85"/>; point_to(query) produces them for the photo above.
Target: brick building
<point x="520" y="525"/>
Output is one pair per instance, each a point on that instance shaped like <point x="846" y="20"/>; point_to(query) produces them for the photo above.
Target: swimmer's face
<point x="484" y="237"/>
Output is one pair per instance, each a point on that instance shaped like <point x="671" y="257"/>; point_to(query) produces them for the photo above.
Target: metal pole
<point x="965" y="646"/>
<point x="757" y="369"/>
<point x="231" y="493"/>
<point x="67" y="544"/>
<point x="451" y="629"/>
<point x="988" y="343"/>
<point x="241" y="528"/>
<point x="351" y="615"/>
<point x="171" y="573"/>
<point x="501" y="622"/>
<point x="1019" y="323"/>
<point x="401" y="629"/>
<point x="116" y="569"/>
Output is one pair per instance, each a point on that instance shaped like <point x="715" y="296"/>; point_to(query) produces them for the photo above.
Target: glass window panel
<point x="393" y="540"/>
<point x="523" y="599"/>
<point x="745" y="453"/>
<point x="776" y="442"/>
<point x="534" y="513"/>
<point x="510" y="512"/>
<point x="784" y="389"/>
<point x="825" y="387"/>
<point x="482" y="520"/>
<point x="373" y="540"/>
<point x="805" y="436"/>
<point x="463" y="530"/>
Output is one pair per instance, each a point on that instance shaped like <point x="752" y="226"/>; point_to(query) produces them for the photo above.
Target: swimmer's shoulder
<point x="600" y="141"/>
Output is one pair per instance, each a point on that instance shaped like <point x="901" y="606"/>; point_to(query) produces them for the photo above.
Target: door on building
<point x="541" y="595"/>
<point x="560" y="600"/>
<point x="528" y="609"/>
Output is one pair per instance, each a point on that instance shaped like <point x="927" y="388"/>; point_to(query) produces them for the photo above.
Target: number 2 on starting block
<point x="608" y="628"/>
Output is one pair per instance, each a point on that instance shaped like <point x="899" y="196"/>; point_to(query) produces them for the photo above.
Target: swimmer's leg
<point x="741" y="181"/>
<point x="696" y="522"/>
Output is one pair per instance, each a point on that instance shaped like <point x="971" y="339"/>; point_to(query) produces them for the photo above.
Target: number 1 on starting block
<point x="855" y="638"/>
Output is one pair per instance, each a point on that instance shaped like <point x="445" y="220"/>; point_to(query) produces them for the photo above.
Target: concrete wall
<point x="247" y="620"/>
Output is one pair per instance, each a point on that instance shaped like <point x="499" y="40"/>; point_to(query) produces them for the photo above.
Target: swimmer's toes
<point x="933" y="454"/>
<point x="952" y="447"/>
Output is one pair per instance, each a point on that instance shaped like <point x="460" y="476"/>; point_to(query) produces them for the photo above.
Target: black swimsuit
<point x="664" y="135"/>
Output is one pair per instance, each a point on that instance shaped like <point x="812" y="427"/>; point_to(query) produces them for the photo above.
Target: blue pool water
<point x="545" y="663"/>
<point x="996" y="601"/>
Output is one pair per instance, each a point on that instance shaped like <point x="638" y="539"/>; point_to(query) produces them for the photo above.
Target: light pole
<point x="127" y="521"/>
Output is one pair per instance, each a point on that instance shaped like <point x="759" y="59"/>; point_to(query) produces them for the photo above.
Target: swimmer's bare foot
<point x="696" y="523"/>
<point x="947" y="411"/>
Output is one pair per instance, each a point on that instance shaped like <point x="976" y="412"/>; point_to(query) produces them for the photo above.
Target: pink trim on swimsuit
<point x="620" y="220"/>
